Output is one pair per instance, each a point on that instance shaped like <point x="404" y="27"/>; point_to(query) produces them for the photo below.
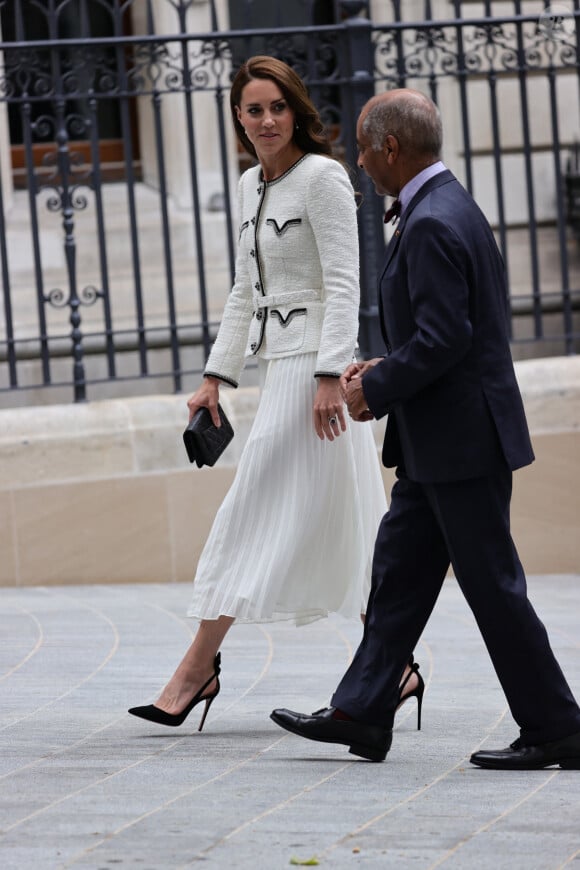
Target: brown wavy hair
<point x="309" y="134"/>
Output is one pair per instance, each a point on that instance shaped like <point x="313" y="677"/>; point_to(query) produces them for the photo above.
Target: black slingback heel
<point x="153" y="714"/>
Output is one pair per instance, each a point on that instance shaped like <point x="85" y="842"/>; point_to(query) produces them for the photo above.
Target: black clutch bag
<point x="205" y="442"/>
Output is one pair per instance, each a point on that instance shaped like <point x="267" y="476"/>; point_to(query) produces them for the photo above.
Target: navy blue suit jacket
<point x="447" y="382"/>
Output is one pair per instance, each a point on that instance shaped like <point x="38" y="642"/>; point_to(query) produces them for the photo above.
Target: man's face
<point x="376" y="164"/>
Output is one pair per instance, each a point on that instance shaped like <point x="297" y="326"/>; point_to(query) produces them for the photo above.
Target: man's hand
<point x="352" y="391"/>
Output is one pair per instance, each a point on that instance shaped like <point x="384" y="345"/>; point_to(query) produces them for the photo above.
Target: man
<point x="456" y="430"/>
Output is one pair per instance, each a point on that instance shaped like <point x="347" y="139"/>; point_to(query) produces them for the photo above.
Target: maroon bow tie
<point x="393" y="212"/>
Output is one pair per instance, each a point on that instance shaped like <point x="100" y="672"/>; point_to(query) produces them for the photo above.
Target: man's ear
<point x="391" y="146"/>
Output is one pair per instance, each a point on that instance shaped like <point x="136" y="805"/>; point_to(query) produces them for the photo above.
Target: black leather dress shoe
<point x="368" y="741"/>
<point x="564" y="752"/>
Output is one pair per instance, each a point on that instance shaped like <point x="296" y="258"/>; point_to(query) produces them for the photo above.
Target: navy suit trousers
<point x="465" y="523"/>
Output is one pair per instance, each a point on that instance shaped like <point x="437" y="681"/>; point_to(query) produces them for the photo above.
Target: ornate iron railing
<point x="142" y="262"/>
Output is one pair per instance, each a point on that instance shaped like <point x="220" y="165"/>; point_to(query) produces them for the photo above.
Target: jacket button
<point x="259" y="315"/>
<point x="252" y="253"/>
<point x="253" y="346"/>
<point x="257" y="285"/>
<point x="253" y="220"/>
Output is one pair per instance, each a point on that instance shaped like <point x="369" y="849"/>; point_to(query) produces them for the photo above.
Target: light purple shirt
<point x="410" y="189"/>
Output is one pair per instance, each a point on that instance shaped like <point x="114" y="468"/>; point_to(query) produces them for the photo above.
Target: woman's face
<point x="266" y="117"/>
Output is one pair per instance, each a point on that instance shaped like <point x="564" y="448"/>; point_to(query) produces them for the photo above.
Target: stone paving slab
<point x="84" y="785"/>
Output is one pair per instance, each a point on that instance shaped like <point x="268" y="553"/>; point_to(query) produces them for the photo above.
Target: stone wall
<point x="103" y="492"/>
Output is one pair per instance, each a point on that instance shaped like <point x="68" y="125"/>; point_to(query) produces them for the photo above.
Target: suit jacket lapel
<point x="432" y="184"/>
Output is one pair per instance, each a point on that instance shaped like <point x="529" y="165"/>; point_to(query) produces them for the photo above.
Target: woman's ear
<point x="238" y="114"/>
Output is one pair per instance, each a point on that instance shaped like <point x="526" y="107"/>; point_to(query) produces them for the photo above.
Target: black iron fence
<point x="117" y="170"/>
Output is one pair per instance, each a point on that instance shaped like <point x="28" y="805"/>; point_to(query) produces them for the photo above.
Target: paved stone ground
<point x="84" y="785"/>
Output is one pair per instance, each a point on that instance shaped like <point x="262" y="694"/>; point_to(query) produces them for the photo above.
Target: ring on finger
<point x="333" y="421"/>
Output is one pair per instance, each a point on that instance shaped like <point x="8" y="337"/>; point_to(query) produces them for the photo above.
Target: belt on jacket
<point x="288" y="298"/>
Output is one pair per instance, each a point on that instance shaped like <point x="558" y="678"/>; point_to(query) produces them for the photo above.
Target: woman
<point x="294" y="536"/>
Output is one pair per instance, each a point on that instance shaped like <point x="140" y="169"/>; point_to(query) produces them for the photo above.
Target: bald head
<point x="408" y="115"/>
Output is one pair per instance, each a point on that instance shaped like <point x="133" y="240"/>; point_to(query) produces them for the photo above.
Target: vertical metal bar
<point x="19" y="21"/>
<point x="219" y="96"/>
<point x="462" y="80"/>
<point x="247" y="25"/>
<point x="97" y="186"/>
<point x="66" y="205"/>
<point x="401" y="72"/>
<point x="561" y="217"/>
<point x="84" y="20"/>
<point x="278" y="14"/>
<point x="32" y="189"/>
<point x="577" y="32"/>
<point x="433" y="84"/>
<point x="188" y="95"/>
<point x="313" y="89"/>
<point x="497" y="156"/>
<point x="166" y="225"/>
<point x="213" y="16"/>
<point x="10" y="344"/>
<point x="357" y="60"/>
<point x="163" y="199"/>
<point x="131" y="203"/>
<point x="26" y="122"/>
<point x="533" y="230"/>
<point x="224" y="158"/>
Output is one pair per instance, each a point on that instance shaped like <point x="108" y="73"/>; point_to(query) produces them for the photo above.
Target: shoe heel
<point x="208" y="703"/>
<point x="570" y="763"/>
<point x="417" y="692"/>
<point x="420" y="690"/>
<point x="367" y="752"/>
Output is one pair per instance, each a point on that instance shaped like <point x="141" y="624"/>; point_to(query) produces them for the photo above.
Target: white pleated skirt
<point x="294" y="536"/>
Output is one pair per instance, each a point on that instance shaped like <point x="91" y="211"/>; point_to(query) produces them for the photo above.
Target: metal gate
<point x="117" y="241"/>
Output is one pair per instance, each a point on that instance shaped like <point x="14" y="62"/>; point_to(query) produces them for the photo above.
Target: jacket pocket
<point x="285" y="329"/>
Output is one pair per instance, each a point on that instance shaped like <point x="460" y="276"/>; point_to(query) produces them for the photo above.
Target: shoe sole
<point x="367" y="752"/>
<point x="354" y="748"/>
<point x="563" y="763"/>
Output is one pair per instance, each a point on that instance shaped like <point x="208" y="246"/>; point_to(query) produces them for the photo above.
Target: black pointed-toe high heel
<point x="417" y="692"/>
<point x="154" y="714"/>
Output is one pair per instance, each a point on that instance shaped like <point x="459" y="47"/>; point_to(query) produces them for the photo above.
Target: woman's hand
<point x="206" y="396"/>
<point x="329" y="420"/>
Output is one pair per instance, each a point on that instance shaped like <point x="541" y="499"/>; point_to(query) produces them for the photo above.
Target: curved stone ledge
<point x="103" y="492"/>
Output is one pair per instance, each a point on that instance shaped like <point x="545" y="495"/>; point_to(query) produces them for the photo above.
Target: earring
<point x="296" y="126"/>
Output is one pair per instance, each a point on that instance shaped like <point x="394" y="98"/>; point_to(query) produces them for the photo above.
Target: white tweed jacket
<point x="296" y="288"/>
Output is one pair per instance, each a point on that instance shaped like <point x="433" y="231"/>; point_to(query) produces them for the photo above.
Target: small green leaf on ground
<point x="305" y="862"/>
